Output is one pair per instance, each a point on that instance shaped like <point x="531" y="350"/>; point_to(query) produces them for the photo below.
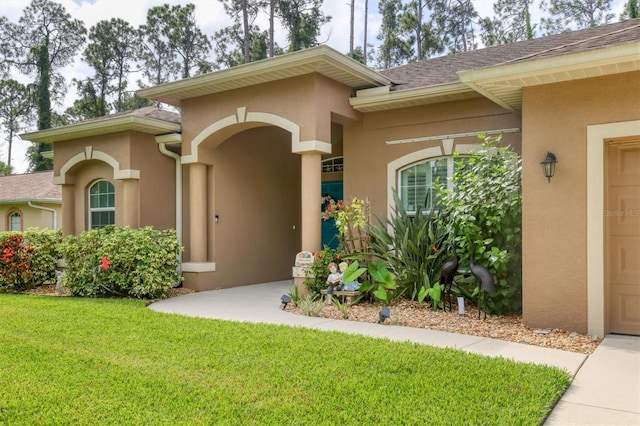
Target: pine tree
<point x="303" y="20"/>
<point x="394" y="49"/>
<point x="511" y="22"/>
<point x="576" y="14"/>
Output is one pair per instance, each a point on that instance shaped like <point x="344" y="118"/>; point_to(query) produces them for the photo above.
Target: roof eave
<point x="276" y="68"/>
<point x="102" y="126"/>
<point x="376" y="101"/>
<point x="503" y="83"/>
<point x="33" y="200"/>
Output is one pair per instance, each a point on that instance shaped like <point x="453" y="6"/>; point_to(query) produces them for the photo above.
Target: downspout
<point x="163" y="149"/>
<point x="49" y="209"/>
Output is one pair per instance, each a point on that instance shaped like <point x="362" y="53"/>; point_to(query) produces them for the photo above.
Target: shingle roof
<point x="29" y="187"/>
<point x="443" y="69"/>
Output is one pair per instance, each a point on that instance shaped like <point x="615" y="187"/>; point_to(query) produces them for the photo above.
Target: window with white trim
<point x="333" y="165"/>
<point x="15" y="221"/>
<point x="102" y="206"/>
<point x="417" y="183"/>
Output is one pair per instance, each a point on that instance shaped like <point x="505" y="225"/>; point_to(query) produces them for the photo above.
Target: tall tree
<point x="111" y="52"/>
<point x="511" y="22"/>
<point x="394" y="49"/>
<point x="366" y="22"/>
<point x="303" y="20"/>
<point x="45" y="39"/>
<point x="272" y="15"/>
<point x="240" y="33"/>
<point x="5" y="170"/>
<point x="425" y="37"/>
<point x="567" y="14"/>
<point x="454" y="23"/>
<point x="352" y="10"/>
<point x="630" y="10"/>
<point x="90" y="103"/>
<point x="16" y="104"/>
<point x="173" y="44"/>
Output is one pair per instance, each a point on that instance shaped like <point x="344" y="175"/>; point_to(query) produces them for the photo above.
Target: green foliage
<point x="484" y="208"/>
<point x="15" y="263"/>
<point x="310" y="305"/>
<point x="46" y="252"/>
<point x="114" y="362"/>
<point x="412" y="247"/>
<point x="16" y="104"/>
<point x="381" y="284"/>
<point x="5" y="169"/>
<point x="318" y="271"/>
<point x="143" y="262"/>
<point x="303" y="20"/>
<point x="342" y="307"/>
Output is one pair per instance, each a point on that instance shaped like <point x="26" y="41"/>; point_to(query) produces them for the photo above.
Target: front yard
<point x="111" y="361"/>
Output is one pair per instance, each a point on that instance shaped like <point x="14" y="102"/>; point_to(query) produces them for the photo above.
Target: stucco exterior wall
<point x="146" y="202"/>
<point x="31" y="217"/>
<point x="367" y="154"/>
<point x="257" y="201"/>
<point x="555" y="118"/>
<point x="309" y="101"/>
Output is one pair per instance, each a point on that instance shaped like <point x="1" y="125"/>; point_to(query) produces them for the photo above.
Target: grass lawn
<point x="108" y="361"/>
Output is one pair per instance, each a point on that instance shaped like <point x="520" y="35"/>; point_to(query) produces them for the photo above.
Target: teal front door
<point x="329" y="231"/>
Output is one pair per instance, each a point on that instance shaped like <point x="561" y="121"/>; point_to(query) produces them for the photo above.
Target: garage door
<point x="622" y="236"/>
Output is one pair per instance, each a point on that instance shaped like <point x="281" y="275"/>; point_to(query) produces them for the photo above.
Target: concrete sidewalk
<point x="606" y="386"/>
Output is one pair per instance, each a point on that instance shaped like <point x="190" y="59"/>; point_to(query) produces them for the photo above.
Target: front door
<point x="622" y="236"/>
<point x="333" y="189"/>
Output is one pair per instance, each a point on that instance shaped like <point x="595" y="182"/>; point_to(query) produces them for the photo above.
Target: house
<point x="29" y="200"/>
<point x="241" y="172"/>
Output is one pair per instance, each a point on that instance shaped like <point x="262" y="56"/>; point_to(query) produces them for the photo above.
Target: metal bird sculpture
<point x="447" y="273"/>
<point x="485" y="281"/>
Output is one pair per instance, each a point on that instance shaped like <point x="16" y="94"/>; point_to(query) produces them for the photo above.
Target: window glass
<point x="15" y="221"/>
<point x="101" y="204"/>
<point x="417" y="182"/>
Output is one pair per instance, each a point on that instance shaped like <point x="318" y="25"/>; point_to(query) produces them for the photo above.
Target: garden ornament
<point x="447" y="273"/>
<point x="485" y="281"/>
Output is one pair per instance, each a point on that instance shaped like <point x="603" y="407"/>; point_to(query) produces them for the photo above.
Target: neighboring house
<point x="241" y="173"/>
<point x="29" y="200"/>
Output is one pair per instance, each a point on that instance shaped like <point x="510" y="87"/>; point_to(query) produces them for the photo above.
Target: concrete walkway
<point x="606" y="386"/>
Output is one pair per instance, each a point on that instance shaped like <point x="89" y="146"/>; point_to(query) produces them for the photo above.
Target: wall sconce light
<point x="549" y="165"/>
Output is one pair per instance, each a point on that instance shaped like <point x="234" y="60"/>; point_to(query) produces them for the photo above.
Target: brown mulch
<point x="502" y="327"/>
<point x="420" y="315"/>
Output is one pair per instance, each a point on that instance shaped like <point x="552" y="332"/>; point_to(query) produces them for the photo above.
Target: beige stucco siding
<point x="31" y="217"/>
<point x="555" y="118"/>
<point x="367" y="154"/>
<point x="257" y="200"/>
<point x="144" y="202"/>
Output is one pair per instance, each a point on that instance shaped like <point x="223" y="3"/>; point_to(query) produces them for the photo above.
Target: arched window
<point x="417" y="182"/>
<point x="14" y="221"/>
<point x="102" y="205"/>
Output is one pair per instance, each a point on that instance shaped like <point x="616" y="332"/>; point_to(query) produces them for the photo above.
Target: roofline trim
<point x="532" y="67"/>
<point x="269" y="65"/>
<point x="362" y="101"/>
<point x="94" y="127"/>
<point x="35" y="200"/>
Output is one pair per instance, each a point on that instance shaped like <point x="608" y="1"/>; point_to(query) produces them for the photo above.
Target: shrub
<point x="46" y="251"/>
<point x="122" y="261"/>
<point x="413" y="249"/>
<point x="484" y="209"/>
<point x="15" y="263"/>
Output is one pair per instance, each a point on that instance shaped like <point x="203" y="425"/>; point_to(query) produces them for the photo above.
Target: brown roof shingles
<point x="442" y="70"/>
<point x="29" y="187"/>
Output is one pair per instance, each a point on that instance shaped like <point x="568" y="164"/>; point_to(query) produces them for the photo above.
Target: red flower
<point x="340" y="204"/>
<point x="329" y="208"/>
<point x="105" y="263"/>
<point x="338" y="257"/>
<point x="434" y="248"/>
<point x="319" y="255"/>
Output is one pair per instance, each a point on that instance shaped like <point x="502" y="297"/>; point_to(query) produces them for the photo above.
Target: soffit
<point x="321" y="59"/>
<point x="504" y="83"/>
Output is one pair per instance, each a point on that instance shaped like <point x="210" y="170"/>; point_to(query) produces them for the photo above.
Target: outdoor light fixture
<point x="549" y="165"/>
<point x="286" y="299"/>
<point x="385" y="313"/>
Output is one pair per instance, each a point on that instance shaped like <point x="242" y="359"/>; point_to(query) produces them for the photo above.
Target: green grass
<point x="107" y="361"/>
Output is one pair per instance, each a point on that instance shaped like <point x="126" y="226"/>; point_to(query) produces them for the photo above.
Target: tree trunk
<point x="366" y="18"/>
<point x="272" y="12"/>
<point x="247" y="32"/>
<point x="353" y="2"/>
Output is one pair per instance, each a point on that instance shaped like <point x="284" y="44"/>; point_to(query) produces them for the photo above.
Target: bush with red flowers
<point x="15" y="263"/>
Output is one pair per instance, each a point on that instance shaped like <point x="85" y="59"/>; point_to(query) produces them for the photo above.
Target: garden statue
<point x="334" y="280"/>
<point x="352" y="285"/>
<point x="486" y="283"/>
<point x="447" y="273"/>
